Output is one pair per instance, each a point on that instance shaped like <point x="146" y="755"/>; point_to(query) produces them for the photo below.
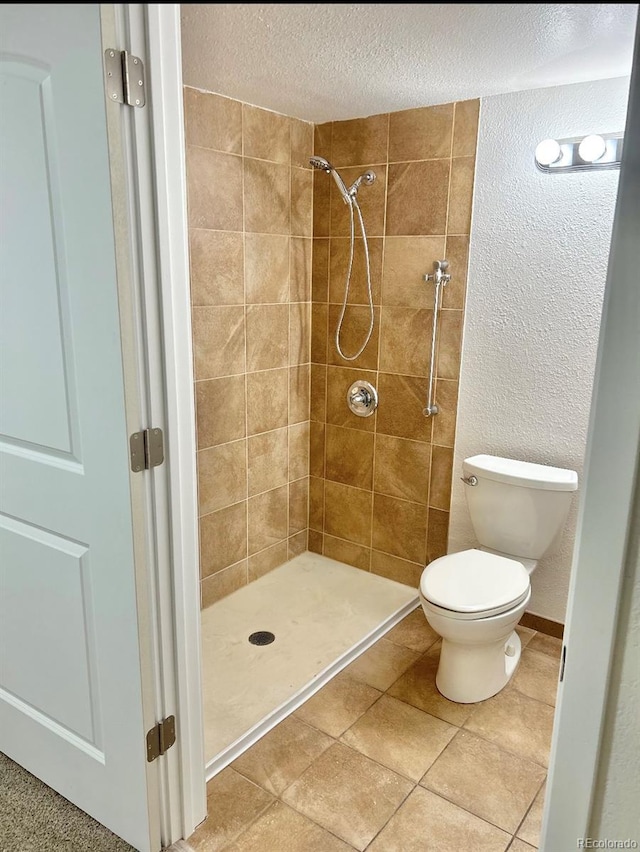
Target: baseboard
<point x="542" y="625"/>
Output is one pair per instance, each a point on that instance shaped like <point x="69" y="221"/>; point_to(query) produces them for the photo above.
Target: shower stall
<point x="323" y="487"/>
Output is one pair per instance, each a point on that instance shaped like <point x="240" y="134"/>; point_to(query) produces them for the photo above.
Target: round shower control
<point x="362" y="398"/>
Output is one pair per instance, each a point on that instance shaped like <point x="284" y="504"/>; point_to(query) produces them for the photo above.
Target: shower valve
<point x="440" y="274"/>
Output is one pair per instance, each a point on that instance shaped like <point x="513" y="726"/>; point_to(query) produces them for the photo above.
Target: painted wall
<point x="250" y="220"/>
<point x="538" y="260"/>
<point x="380" y="486"/>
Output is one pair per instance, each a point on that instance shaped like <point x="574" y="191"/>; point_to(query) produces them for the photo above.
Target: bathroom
<point x="367" y="286"/>
<point x="299" y="472"/>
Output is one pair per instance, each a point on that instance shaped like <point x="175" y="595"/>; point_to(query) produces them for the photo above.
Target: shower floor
<point x="323" y="614"/>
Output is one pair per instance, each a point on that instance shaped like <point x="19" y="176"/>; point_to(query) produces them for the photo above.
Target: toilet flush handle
<point x="469" y="480"/>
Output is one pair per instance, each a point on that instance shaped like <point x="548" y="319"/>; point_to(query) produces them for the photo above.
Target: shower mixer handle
<point x="440" y="274"/>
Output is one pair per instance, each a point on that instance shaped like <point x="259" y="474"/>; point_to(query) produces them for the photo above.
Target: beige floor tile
<point x="427" y="823"/>
<point x="413" y="632"/>
<point x="382" y="664"/>
<point x="337" y="705"/>
<point x="537" y="676"/>
<point x="521" y="846"/>
<point x="546" y="645"/>
<point x="482" y="778"/>
<point x="515" y="722"/>
<point x="348" y="794"/>
<point x="526" y="634"/>
<point x="233" y="803"/>
<point x="529" y="831"/>
<point x="281" y="756"/>
<point x="400" y="736"/>
<point x="417" y="686"/>
<point x="280" y="828"/>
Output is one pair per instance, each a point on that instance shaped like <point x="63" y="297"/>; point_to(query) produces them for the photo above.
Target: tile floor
<point x="379" y="760"/>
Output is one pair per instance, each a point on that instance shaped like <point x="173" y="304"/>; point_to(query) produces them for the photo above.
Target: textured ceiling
<point x="321" y="61"/>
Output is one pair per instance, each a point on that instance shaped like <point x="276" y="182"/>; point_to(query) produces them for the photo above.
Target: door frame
<point x="573" y="759"/>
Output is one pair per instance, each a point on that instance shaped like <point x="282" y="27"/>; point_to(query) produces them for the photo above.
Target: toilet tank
<point x="517" y="508"/>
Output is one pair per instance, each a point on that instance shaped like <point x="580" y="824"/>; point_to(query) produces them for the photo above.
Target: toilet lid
<point x="474" y="581"/>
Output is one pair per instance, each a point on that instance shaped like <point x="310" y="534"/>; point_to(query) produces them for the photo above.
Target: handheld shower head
<point x="325" y="166"/>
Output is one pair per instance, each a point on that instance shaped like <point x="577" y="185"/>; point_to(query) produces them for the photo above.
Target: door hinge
<point x="146" y="449"/>
<point x="125" y="78"/>
<point x="160" y="738"/>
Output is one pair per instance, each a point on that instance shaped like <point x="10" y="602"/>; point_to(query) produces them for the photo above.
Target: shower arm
<point x="440" y="278"/>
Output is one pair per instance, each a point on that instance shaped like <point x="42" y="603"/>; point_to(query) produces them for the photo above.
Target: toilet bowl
<point x="474" y="600"/>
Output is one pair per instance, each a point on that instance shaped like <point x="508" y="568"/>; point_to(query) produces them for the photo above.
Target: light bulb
<point x="548" y="152"/>
<point x="591" y="148"/>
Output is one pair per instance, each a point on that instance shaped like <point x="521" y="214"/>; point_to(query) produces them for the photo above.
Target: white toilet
<point x="475" y="598"/>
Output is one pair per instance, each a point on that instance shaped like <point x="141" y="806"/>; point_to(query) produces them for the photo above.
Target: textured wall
<point x="250" y="220"/>
<point x="380" y="486"/>
<point x="538" y="261"/>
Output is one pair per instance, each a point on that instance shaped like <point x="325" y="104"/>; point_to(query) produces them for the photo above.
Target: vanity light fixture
<point x="579" y="153"/>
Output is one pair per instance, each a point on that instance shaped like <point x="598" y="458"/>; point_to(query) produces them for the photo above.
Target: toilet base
<point x="471" y="673"/>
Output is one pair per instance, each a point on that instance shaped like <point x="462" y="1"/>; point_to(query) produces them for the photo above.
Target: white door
<point x="70" y="684"/>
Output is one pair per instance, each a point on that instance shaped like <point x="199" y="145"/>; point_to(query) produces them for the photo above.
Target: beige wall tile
<point x="402" y="401"/>
<point x="220" y="411"/>
<point x="405" y="340"/>
<point x="358" y="289"/>
<point x="300" y="270"/>
<point x="402" y="468"/>
<point x="450" y="344"/>
<point x="444" y="425"/>
<point x="339" y="380"/>
<point x="218" y="341"/>
<point x="348" y="513"/>
<point x="301" y="202"/>
<point x="212" y="121"/>
<point x="320" y="271"/>
<point x="266" y="134"/>
<point x="457" y="253"/>
<point x="465" y="134"/>
<point x="301" y="142"/>
<point x="461" y="196"/>
<point x="299" y="333"/>
<point x="360" y="141"/>
<point x="217" y="586"/>
<point x="297" y="543"/>
<point x="299" y="380"/>
<point x="298" y="505"/>
<point x="299" y="450"/>
<point x="406" y="261"/>
<point x="322" y="139"/>
<point x="316" y="448"/>
<point x="267" y="518"/>
<point x="217" y="268"/>
<point x="316" y="503"/>
<point x="349" y="457"/>
<point x="371" y="199"/>
<point x="321" y="204"/>
<point x="318" y="403"/>
<point x="267" y="394"/>
<point x="394" y="568"/>
<point x="267" y="268"/>
<point x="266" y="197"/>
<point x="267" y="337"/>
<point x="222" y="476"/>
<point x="399" y="527"/>
<point x="417" y="198"/>
<point x="319" y="319"/>
<point x="347" y="552"/>
<point x="268" y="459"/>
<point x="215" y="189"/>
<point x="441" y="473"/>
<point x="265" y="561"/>
<point x="420" y="134"/>
<point x="315" y="541"/>
<point x="353" y="333"/>
<point x="437" y="534"/>
<point x="223" y="538"/>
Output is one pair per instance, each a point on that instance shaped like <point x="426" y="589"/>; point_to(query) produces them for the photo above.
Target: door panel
<point x="70" y="684"/>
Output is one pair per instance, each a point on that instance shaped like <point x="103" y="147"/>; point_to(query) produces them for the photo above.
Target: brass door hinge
<point x="146" y="449"/>
<point x="160" y="738"/>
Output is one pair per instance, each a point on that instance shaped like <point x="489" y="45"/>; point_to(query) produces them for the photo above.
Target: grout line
<point x="246" y="353"/>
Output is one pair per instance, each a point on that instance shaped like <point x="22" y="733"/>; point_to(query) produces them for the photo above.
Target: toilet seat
<point x="474" y="584"/>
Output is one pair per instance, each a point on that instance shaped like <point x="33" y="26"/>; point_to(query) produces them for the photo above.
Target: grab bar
<point x="440" y="278"/>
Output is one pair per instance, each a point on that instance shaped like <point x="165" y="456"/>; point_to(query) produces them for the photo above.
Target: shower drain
<point x="261" y="637"/>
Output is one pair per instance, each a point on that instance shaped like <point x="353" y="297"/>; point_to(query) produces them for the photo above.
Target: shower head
<point x="325" y="166"/>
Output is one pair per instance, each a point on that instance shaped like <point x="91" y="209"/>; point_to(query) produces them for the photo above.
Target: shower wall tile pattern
<point x="380" y="487"/>
<point x="250" y="228"/>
